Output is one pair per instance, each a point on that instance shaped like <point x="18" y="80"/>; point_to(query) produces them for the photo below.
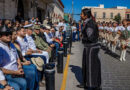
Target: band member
<point x="91" y="66"/>
<point x="108" y="35"/>
<point x="124" y="40"/>
<point x="115" y="36"/>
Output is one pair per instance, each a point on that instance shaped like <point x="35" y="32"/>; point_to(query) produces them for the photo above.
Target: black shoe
<point x="81" y="86"/>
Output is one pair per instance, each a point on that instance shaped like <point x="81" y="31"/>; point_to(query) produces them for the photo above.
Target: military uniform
<point x="40" y="43"/>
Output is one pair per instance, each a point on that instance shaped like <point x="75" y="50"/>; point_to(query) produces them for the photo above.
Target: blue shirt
<point x="31" y="42"/>
<point x="8" y="56"/>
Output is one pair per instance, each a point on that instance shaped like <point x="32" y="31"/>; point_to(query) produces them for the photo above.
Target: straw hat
<point x="38" y="62"/>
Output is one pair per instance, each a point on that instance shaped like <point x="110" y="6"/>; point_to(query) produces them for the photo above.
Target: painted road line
<point x="63" y="86"/>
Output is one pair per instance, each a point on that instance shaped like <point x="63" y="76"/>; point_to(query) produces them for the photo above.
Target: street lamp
<point x="72" y="8"/>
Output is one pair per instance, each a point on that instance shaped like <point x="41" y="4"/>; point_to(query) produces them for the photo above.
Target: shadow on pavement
<point x="77" y="71"/>
<point x="114" y="55"/>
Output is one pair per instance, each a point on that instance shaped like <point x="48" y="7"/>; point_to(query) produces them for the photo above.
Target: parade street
<point x="115" y="74"/>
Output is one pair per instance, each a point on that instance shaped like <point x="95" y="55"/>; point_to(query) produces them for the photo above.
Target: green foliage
<point x="117" y="18"/>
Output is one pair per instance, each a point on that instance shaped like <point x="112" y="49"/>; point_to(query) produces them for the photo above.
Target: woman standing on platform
<point x="91" y="67"/>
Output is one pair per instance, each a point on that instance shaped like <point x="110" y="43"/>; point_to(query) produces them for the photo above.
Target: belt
<point x="91" y="44"/>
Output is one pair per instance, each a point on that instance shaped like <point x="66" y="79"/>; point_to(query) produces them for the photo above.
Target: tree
<point x="117" y="18"/>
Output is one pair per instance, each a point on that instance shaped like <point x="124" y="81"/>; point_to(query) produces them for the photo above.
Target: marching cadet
<point x="124" y="40"/>
<point x="100" y="27"/>
<point x="115" y="36"/>
<point x="103" y="34"/>
<point x="128" y="28"/>
<point x="108" y="35"/>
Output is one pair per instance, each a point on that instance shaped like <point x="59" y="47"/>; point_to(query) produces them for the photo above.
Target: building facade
<point x="107" y="14"/>
<point x="58" y="11"/>
<point x="30" y="8"/>
<point x="128" y="14"/>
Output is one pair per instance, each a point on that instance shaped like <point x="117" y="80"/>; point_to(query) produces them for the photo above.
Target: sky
<point x="78" y="4"/>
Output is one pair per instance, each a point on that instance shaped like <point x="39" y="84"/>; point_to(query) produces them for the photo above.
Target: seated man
<point x="48" y="35"/>
<point x="59" y="37"/>
<point x="39" y="42"/>
<point x="51" y="38"/>
<point x="9" y="62"/>
<point x="44" y="37"/>
<point x="41" y="34"/>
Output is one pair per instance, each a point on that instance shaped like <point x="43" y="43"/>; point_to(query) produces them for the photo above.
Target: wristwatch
<point x="6" y="85"/>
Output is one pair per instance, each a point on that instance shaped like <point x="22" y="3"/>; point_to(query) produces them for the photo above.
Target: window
<point x="95" y="14"/>
<point x="111" y="15"/>
<point x="119" y="14"/>
<point x="104" y="15"/>
<point x="128" y="16"/>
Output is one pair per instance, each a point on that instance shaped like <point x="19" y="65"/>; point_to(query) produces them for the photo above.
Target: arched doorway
<point x="20" y="8"/>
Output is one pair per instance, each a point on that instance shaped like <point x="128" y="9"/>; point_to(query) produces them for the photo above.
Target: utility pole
<point x="72" y="10"/>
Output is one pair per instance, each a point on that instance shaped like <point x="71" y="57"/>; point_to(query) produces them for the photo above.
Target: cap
<point x="37" y="27"/>
<point x="29" y="26"/>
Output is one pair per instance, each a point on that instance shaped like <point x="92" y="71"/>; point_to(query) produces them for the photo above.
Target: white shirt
<point x="108" y="28"/>
<point x="62" y="24"/>
<point x="31" y="42"/>
<point x="115" y="29"/>
<point x="121" y="28"/>
<point x="105" y="27"/>
<point x="65" y="26"/>
<point x="23" y="45"/>
<point x="8" y="56"/>
<point x="111" y="29"/>
<point x="74" y="28"/>
<point x="48" y="39"/>
<point x="2" y="77"/>
<point x="58" y="34"/>
<point x="128" y="28"/>
<point x="100" y="27"/>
